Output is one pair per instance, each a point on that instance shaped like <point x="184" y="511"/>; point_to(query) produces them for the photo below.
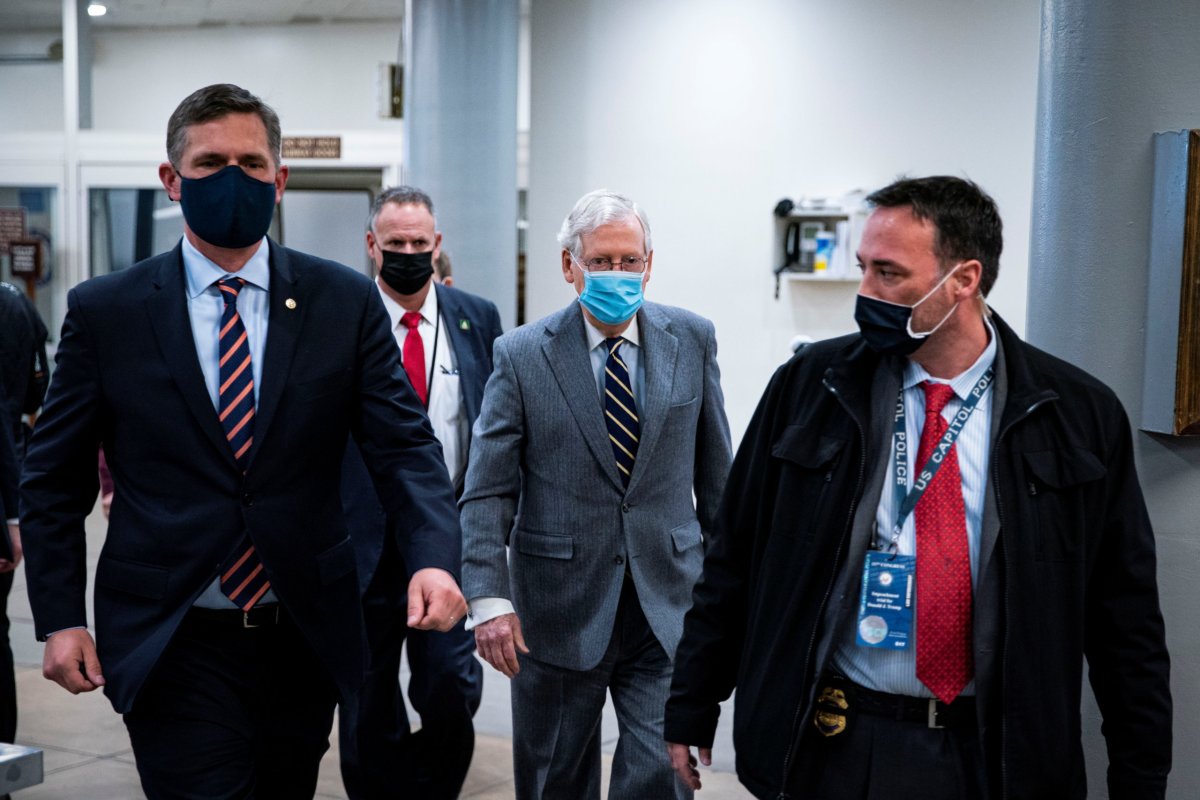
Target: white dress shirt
<point x="445" y="409"/>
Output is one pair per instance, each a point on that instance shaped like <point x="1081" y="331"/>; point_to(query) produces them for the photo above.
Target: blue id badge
<point x="885" y="610"/>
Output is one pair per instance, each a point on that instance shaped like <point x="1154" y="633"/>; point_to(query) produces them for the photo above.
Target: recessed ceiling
<point x="27" y="15"/>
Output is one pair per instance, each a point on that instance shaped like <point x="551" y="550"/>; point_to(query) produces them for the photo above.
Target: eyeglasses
<point x="624" y="263"/>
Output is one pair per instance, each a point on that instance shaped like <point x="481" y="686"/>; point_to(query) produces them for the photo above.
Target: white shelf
<point x="817" y="277"/>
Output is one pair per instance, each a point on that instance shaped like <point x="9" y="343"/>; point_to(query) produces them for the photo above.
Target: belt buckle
<point x="932" y="717"/>
<point x="246" y="623"/>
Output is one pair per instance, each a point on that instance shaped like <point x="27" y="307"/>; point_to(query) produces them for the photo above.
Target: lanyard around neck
<point x="906" y="500"/>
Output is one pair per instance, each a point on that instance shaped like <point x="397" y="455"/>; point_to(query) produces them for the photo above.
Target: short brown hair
<point x="214" y="102"/>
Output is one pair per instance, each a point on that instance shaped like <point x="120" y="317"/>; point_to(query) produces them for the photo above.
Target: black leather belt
<point x="839" y="699"/>
<point x="264" y="616"/>
<point x="934" y="713"/>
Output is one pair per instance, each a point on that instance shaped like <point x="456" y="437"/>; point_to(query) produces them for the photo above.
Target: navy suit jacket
<point x="473" y="324"/>
<point x="128" y="377"/>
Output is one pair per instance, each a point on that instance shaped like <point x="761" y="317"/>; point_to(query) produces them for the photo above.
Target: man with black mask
<point x="928" y="527"/>
<point x="445" y="339"/>
<point x="222" y="379"/>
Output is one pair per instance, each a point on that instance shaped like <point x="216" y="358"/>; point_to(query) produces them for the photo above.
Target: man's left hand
<point x="14" y="536"/>
<point x="434" y="600"/>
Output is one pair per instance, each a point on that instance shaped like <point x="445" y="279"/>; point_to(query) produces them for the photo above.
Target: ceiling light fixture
<point x="97" y="10"/>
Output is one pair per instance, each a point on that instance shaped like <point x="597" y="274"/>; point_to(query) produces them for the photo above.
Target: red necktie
<point x="414" y="355"/>
<point x="944" y="659"/>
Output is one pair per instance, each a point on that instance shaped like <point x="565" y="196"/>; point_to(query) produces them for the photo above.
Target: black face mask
<point x="887" y="327"/>
<point x="406" y="272"/>
<point x="228" y="208"/>
<point x="884" y="326"/>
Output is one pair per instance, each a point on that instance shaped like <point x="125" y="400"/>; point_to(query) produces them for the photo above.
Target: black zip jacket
<point x="1075" y="564"/>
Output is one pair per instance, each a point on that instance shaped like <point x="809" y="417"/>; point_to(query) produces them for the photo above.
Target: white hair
<point x="595" y="209"/>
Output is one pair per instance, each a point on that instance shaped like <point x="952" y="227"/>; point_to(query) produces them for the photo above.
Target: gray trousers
<point x="557" y="712"/>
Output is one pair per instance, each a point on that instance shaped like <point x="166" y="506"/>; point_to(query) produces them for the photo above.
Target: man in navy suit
<point x="222" y="380"/>
<point x="445" y="337"/>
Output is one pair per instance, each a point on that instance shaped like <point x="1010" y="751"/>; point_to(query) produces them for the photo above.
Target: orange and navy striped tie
<point x="243" y="579"/>
<point x="620" y="410"/>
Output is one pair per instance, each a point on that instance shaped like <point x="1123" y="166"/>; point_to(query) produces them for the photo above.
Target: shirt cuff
<point x="13" y="521"/>
<point x="74" y="628"/>
<point x="486" y="608"/>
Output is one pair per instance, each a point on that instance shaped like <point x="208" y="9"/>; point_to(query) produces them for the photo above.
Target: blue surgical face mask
<point x="228" y="208"/>
<point x="887" y="327"/>
<point x="612" y="297"/>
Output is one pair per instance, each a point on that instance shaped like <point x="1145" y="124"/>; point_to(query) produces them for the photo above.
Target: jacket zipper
<point x="1007" y="609"/>
<point x="837" y="556"/>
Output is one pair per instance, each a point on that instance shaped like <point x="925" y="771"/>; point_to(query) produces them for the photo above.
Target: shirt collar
<point x="963" y="383"/>
<point x="428" y="309"/>
<point x="596" y="338"/>
<point x="201" y="272"/>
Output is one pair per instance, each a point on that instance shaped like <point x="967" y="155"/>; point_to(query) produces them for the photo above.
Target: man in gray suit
<point x="598" y="425"/>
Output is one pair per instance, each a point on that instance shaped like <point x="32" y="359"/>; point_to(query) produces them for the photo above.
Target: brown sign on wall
<point x="12" y="227"/>
<point x="312" y="147"/>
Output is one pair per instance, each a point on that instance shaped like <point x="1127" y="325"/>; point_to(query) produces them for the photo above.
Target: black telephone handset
<point x="791" y="251"/>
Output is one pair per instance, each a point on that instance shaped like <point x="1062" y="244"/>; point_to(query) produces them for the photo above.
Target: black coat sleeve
<point x="707" y="660"/>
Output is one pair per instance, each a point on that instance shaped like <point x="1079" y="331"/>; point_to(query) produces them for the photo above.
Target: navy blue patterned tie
<point x="620" y="410"/>
<point x="243" y="579"/>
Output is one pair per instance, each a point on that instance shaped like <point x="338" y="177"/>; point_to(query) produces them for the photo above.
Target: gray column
<point x="460" y="113"/>
<point x="1112" y="74"/>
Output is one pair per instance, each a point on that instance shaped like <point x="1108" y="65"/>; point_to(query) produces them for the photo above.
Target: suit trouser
<point x="8" y="680"/>
<point x="557" y="713"/>
<point x="381" y="756"/>
<point x="878" y="758"/>
<point x="232" y="712"/>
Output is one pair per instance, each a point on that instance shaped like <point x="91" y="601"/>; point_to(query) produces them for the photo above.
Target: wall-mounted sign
<point x="12" y="227"/>
<point x="312" y="147"/>
<point x="26" y="258"/>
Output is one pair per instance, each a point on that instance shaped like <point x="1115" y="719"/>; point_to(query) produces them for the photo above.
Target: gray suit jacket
<point x="543" y="480"/>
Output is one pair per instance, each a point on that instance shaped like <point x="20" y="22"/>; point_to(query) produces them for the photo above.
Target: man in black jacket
<point x="1017" y="525"/>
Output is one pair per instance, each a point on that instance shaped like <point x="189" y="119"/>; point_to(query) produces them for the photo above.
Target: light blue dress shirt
<point x="895" y="671"/>
<point x="630" y="353"/>
<point x="205" y="307"/>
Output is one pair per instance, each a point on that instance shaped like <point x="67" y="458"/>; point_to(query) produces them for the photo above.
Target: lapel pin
<point x="290" y="303"/>
<point x="464" y="324"/>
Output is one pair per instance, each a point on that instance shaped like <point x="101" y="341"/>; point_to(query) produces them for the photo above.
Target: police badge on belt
<point x="834" y="706"/>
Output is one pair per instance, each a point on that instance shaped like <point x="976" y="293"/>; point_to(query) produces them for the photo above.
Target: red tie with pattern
<point x="944" y="659"/>
<point x="243" y="579"/>
<point x="414" y="355"/>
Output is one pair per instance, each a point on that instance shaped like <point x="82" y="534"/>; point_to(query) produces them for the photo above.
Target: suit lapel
<point x="462" y="342"/>
<point x="567" y="353"/>
<point x="288" y="305"/>
<point x="659" y="348"/>
<point x="167" y="306"/>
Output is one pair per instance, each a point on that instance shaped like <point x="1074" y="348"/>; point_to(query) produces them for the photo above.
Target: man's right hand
<point x="70" y="661"/>
<point x="684" y="763"/>
<point x="498" y="641"/>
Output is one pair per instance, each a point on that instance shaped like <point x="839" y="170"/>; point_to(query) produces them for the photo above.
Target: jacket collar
<point x="850" y="372"/>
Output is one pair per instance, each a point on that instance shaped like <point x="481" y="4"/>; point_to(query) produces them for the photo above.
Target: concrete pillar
<point x="1113" y="73"/>
<point x="460" y="113"/>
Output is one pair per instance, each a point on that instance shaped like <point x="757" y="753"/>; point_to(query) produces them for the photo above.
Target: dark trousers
<point x="230" y="712"/>
<point x="557" y="714"/>
<point x="381" y="756"/>
<point x="878" y="758"/>
<point x="8" y="678"/>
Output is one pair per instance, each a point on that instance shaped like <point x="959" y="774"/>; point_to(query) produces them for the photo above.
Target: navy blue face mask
<point x="228" y="208"/>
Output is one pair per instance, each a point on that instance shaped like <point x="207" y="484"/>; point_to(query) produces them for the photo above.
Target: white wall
<point x="318" y="77"/>
<point x="707" y="113"/>
<point x="31" y="95"/>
